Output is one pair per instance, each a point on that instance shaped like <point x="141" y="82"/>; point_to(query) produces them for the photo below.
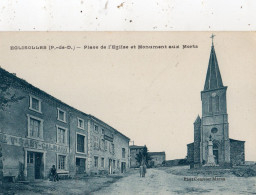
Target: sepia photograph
<point x="128" y="113"/>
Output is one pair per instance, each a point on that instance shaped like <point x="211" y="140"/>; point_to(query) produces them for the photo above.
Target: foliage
<point x="143" y="156"/>
<point x="6" y="96"/>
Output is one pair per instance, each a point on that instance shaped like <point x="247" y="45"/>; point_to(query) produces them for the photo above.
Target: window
<point x="61" y="162"/>
<point x="123" y="152"/>
<point x="96" y="129"/>
<point x="214" y="130"/>
<point x="80" y="124"/>
<point x="113" y="148"/>
<point x="102" y="145"/>
<point x="61" y="135"/>
<point x="61" y="115"/>
<point x="210" y="104"/>
<point x="35" y="127"/>
<point x="114" y="164"/>
<point x="35" y="104"/>
<point x="118" y="164"/>
<point x="96" y="161"/>
<point x="96" y="143"/>
<point x="102" y="131"/>
<point x="217" y="102"/>
<point x="110" y="147"/>
<point x="106" y="145"/>
<point x="30" y="157"/>
<point x="80" y="147"/>
<point x="102" y="162"/>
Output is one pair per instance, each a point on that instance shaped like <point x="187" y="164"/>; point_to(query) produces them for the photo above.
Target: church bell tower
<point x="214" y="122"/>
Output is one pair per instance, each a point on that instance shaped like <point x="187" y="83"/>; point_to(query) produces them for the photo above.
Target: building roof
<point x="156" y="153"/>
<point x="136" y="147"/>
<point x="234" y="140"/>
<point x="97" y="119"/>
<point x="213" y="78"/>
<point x="30" y="86"/>
<point x="198" y="119"/>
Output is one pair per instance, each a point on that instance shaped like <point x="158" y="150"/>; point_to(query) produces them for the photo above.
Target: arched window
<point x="217" y="103"/>
<point x="215" y="146"/>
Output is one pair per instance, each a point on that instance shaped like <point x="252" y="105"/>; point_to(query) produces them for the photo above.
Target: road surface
<point x="160" y="182"/>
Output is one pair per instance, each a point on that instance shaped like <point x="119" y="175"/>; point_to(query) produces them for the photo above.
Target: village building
<point x="212" y="145"/>
<point x="39" y="131"/>
<point x="134" y="150"/>
<point x="157" y="158"/>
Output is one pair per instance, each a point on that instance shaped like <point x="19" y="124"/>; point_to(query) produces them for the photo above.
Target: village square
<point x="50" y="147"/>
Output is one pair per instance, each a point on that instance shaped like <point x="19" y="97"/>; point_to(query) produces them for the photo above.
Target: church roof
<point x="198" y="119"/>
<point x="234" y="140"/>
<point x="213" y="78"/>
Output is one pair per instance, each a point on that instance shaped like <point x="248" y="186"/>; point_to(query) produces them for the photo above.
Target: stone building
<point x="212" y="144"/>
<point x="38" y="131"/>
<point x="134" y="150"/>
<point x="157" y="158"/>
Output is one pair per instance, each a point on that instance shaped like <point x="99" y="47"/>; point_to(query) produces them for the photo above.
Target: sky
<point x="151" y="95"/>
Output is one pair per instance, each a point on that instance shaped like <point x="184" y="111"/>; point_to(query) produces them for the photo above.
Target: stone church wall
<point x="197" y="140"/>
<point x="190" y="152"/>
<point x="237" y="156"/>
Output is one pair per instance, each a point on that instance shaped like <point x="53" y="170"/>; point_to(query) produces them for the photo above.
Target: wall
<point x="74" y="130"/>
<point x="190" y="153"/>
<point x="133" y="154"/>
<point x="158" y="159"/>
<point x="110" y="137"/>
<point x="237" y="156"/>
<point x="14" y="131"/>
<point x="197" y="141"/>
<point x="15" y="139"/>
<point x="215" y="119"/>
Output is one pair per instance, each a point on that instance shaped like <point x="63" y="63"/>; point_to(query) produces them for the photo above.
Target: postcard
<point x="127" y="112"/>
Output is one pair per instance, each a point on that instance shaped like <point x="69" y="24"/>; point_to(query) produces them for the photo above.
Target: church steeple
<point x="213" y="78"/>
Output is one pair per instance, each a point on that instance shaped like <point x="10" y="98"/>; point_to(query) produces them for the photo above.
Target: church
<point x="212" y="145"/>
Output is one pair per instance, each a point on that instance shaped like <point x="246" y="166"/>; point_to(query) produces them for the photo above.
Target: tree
<point x="143" y="156"/>
<point x="6" y="95"/>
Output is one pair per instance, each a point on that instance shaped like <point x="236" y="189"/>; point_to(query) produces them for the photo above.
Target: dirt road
<point x="160" y="182"/>
<point x="157" y="181"/>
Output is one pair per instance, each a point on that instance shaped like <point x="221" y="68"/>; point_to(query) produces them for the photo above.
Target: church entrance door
<point x="216" y="156"/>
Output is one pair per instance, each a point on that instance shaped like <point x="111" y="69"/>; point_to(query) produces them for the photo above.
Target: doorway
<point x="34" y="165"/>
<point x="216" y="156"/>
<point x="80" y="165"/>
<point x="123" y="167"/>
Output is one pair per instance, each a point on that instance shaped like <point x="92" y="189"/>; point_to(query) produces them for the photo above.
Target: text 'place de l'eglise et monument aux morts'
<point x="212" y="145"/>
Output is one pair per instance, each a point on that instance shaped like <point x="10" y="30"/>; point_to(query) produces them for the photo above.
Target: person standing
<point x="141" y="170"/>
<point x="144" y="170"/>
<point x="53" y="174"/>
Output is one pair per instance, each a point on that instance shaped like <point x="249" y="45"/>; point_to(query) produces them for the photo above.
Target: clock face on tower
<point x="213" y="94"/>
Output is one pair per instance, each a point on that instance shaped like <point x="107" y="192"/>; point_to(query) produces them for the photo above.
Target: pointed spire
<point x="198" y="119"/>
<point x="213" y="78"/>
